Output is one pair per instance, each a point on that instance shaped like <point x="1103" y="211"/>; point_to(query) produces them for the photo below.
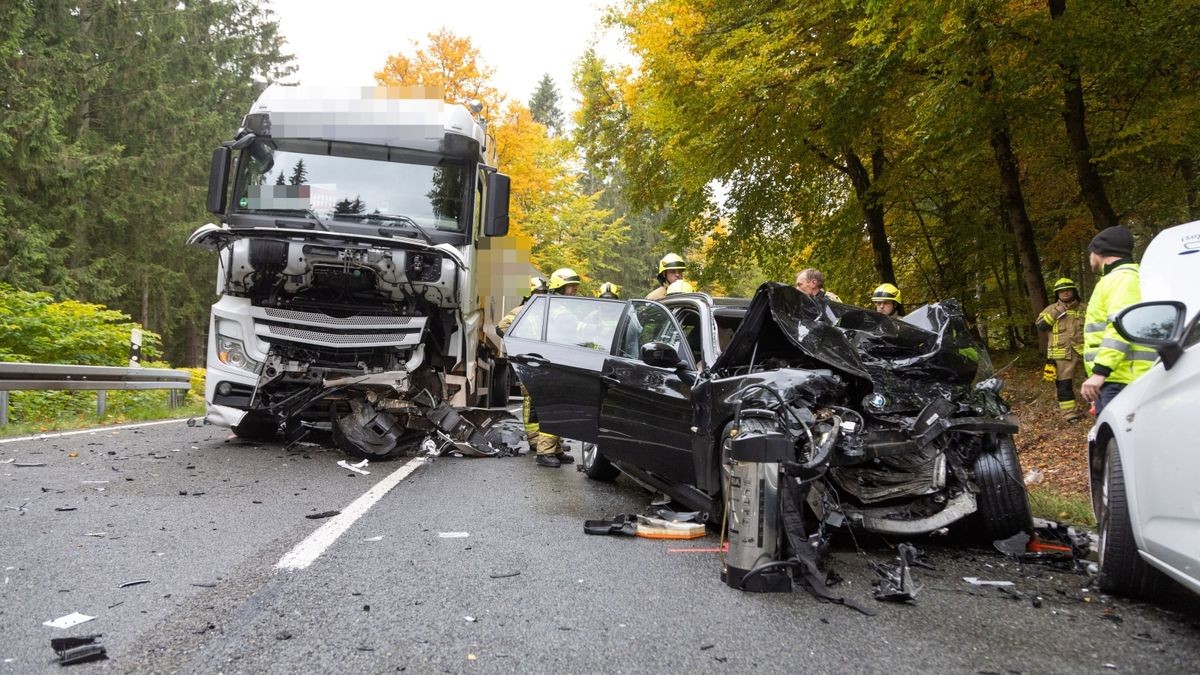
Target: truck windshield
<point x="334" y="180"/>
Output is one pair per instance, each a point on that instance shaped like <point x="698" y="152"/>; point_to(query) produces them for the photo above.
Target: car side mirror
<point x="218" y="180"/>
<point x="1157" y="324"/>
<point x="660" y="355"/>
<point x="495" y="212"/>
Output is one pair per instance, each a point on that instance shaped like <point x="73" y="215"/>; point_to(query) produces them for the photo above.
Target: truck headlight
<point x="232" y="352"/>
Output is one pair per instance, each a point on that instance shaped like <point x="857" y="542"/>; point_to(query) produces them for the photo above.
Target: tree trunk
<point x="872" y="209"/>
<point x="193" y="343"/>
<point x="1017" y="218"/>
<point x="1091" y="184"/>
<point x="1187" y="169"/>
<point x="145" y="302"/>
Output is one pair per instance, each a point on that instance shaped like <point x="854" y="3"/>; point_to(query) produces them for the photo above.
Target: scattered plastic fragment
<point x="8" y="461"/>
<point x="976" y="581"/>
<point x="72" y="455"/>
<point x="379" y="538"/>
<point x="29" y="464"/>
<point x="356" y="468"/>
<point x="138" y="582"/>
<point x="92" y="482"/>
<point x="95" y="534"/>
<point x="896" y="584"/>
<point x="503" y="575"/>
<point x="64" y="508"/>
<point x="72" y="619"/>
<point x="1034" y="477"/>
<point x="205" y="584"/>
<point x="624" y="525"/>
<point x="72" y="650"/>
<point x="657" y="528"/>
<point x="470" y="619"/>
<point x="323" y="514"/>
<point x="453" y="535"/>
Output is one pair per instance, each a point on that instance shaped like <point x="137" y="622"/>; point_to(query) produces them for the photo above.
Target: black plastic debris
<point x="323" y="514"/>
<point x="625" y="525"/>
<point x="72" y="650"/>
<point x="137" y="582"/>
<point x="895" y="583"/>
<point x="1051" y="543"/>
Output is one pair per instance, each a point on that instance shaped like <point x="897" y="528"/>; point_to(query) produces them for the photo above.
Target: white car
<point x="1143" y="451"/>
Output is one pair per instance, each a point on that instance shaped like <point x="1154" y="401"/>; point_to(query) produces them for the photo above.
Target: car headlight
<point x="232" y="352"/>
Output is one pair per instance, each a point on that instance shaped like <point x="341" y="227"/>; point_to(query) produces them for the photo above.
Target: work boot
<point x="548" y="461"/>
<point x="564" y="458"/>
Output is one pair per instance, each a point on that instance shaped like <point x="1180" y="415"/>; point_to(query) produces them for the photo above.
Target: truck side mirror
<point x="218" y="180"/>
<point x="495" y="212"/>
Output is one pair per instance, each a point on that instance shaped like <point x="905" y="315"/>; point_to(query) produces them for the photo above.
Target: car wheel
<point x="498" y="388"/>
<point x="596" y="466"/>
<point x="1122" y="570"/>
<point x="1003" y="506"/>
<point x="257" y="427"/>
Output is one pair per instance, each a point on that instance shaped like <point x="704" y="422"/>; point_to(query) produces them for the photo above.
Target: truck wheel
<point x="596" y="466"/>
<point x="257" y="427"/>
<point x="1003" y="506"/>
<point x="499" y="386"/>
<point x="367" y="433"/>
<point x="1122" y="570"/>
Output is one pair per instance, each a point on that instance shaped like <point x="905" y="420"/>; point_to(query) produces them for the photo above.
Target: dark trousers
<point x="1108" y="391"/>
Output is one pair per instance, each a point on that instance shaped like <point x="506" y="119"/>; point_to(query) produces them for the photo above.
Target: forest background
<point x="965" y="149"/>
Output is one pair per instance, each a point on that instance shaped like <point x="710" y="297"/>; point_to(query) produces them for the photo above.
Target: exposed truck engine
<point x="347" y="271"/>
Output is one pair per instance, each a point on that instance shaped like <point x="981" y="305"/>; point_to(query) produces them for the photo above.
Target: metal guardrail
<point x="28" y="376"/>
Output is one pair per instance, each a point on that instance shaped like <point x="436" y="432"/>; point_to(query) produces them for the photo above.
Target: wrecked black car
<point x="892" y="425"/>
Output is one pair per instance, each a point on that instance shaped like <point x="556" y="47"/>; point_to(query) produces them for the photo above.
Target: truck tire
<point x="257" y="427"/>
<point x="1122" y="570"/>
<point x="596" y="466"/>
<point x="498" y="387"/>
<point x="1003" y="506"/>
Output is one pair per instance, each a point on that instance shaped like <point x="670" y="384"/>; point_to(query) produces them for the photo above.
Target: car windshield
<point x="333" y="180"/>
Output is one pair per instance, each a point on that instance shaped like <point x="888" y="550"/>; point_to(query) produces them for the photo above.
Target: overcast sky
<point x="347" y="41"/>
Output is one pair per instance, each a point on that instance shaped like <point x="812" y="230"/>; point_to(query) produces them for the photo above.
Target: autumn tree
<point x="449" y="62"/>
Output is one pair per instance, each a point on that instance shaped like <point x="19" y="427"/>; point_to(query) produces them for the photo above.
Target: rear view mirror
<point x="218" y="180"/>
<point x="495" y="212"/>
<point x="1155" y="324"/>
<point x="660" y="355"/>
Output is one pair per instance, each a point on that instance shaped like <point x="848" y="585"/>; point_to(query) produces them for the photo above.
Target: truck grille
<point x="318" y="318"/>
<point x="342" y="339"/>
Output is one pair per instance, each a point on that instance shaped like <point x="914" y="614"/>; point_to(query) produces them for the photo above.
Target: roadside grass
<point x="120" y="410"/>
<point x="1062" y="507"/>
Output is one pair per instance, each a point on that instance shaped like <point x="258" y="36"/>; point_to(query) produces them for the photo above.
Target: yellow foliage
<point x="449" y="62"/>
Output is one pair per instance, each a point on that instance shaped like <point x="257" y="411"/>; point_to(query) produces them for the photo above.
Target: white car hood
<point x="1170" y="268"/>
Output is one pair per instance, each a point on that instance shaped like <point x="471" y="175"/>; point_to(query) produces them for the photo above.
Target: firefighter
<point x="1110" y="360"/>
<point x="670" y="270"/>
<point x="1064" y="352"/>
<point x="886" y="299"/>
<point x="811" y="282"/>
<point x="537" y="286"/>
<point x="680" y="286"/>
<point x="548" y="448"/>
<point x="609" y="291"/>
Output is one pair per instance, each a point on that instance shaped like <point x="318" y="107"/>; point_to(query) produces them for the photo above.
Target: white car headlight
<point x="232" y="352"/>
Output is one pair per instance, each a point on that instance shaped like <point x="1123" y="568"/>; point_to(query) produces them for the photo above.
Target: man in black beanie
<point x="1110" y="360"/>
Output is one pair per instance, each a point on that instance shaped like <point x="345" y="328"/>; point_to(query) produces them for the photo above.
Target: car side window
<point x="583" y="322"/>
<point x="689" y="322"/>
<point x="529" y="323"/>
<point x="648" y="322"/>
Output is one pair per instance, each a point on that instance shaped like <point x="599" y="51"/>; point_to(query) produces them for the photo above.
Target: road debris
<point x="503" y="575"/>
<point x="65" y="508"/>
<point x="138" y="582"/>
<point x="72" y="619"/>
<point x="896" y="584"/>
<point x="976" y="581"/>
<point x="95" y="534"/>
<point x="356" y="468"/>
<point x="72" y="650"/>
<point x="379" y="538"/>
<point x="470" y="619"/>
<point x="650" y="527"/>
<point x="323" y="514"/>
<point x="29" y="465"/>
<point x="453" y="535"/>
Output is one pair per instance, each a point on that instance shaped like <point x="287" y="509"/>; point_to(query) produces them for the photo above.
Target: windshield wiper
<point x="390" y="218"/>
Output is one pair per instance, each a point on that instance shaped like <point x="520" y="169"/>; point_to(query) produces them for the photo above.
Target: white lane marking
<point x="315" y="544"/>
<point x="94" y="430"/>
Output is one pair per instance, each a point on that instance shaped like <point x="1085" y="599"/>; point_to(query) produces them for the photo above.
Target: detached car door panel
<point x="646" y="414"/>
<point x="557" y="347"/>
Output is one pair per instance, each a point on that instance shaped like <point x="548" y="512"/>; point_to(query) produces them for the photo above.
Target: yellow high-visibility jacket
<point x="1104" y="350"/>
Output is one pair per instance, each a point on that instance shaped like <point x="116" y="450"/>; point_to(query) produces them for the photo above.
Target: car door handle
<point x="529" y="360"/>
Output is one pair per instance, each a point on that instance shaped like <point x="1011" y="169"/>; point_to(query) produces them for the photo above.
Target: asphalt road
<point x="203" y="520"/>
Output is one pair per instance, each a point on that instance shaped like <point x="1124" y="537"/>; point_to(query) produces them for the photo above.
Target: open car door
<point x="558" y="346"/>
<point x="646" y="414"/>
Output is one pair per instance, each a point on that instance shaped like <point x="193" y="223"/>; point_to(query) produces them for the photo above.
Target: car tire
<point x="1003" y="506"/>
<point x="498" y="387"/>
<point x="257" y="427"/>
<point x="1122" y="570"/>
<point x="596" y="466"/>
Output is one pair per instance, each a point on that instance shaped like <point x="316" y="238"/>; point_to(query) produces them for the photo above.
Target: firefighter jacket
<point x="1105" y="352"/>
<point x="1066" y="329"/>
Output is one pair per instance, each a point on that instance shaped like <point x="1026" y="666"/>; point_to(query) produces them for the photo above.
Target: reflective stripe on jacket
<point x="1066" y="329"/>
<point x="1103" y="346"/>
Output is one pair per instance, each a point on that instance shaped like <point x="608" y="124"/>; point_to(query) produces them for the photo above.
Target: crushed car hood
<point x="928" y="353"/>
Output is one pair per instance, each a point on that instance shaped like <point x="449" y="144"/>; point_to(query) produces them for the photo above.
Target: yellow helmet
<point x="671" y="261"/>
<point x="563" y="276"/>
<point x="536" y="285"/>
<point x="609" y="290"/>
<point x="680" y="286"/>
<point x="1064" y="284"/>
<point x="886" y="292"/>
